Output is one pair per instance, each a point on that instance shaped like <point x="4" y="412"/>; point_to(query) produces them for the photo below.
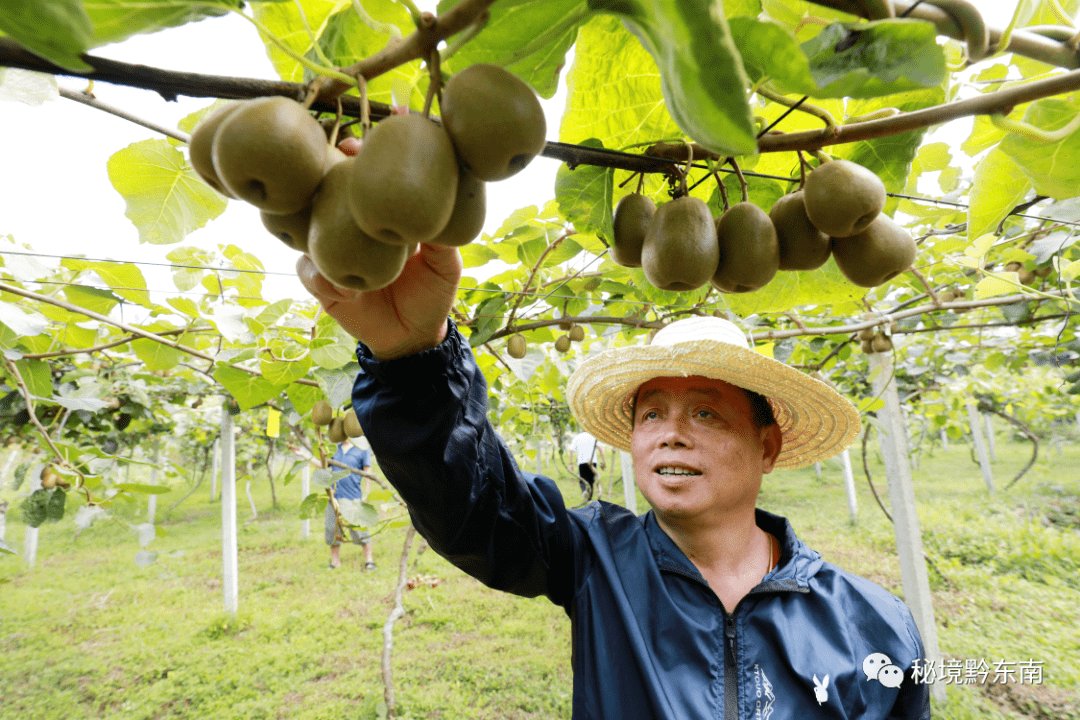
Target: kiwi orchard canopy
<point x="816" y="421"/>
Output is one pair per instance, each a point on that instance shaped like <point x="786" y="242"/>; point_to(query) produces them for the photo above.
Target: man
<point x="349" y="490"/>
<point x="586" y="453"/>
<point x="703" y="607"/>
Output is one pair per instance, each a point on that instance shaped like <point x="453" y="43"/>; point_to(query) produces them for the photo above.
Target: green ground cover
<point x="87" y="633"/>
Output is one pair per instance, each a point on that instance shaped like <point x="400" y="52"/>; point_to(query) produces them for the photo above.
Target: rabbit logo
<point x="821" y="693"/>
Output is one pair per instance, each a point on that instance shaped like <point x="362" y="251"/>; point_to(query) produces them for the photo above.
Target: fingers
<point x="321" y="289"/>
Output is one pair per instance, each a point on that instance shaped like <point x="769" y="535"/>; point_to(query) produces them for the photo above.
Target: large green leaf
<point x="584" y="195"/>
<point x="125" y="279"/>
<point x="882" y="57"/>
<point x="703" y="82"/>
<point x="824" y="286"/>
<point x="249" y="390"/>
<point x="155" y="355"/>
<point x="530" y="38"/>
<point x="614" y="92"/>
<point x="57" y="30"/>
<point x="116" y="20"/>
<point x="1052" y="166"/>
<point x="165" y="198"/>
<point x="998" y="186"/>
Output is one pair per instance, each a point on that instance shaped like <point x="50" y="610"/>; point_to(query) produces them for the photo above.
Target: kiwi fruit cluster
<point x="338" y="427"/>
<point x="873" y="340"/>
<point x="516" y="345"/>
<point x="681" y="246"/>
<point x="359" y="218"/>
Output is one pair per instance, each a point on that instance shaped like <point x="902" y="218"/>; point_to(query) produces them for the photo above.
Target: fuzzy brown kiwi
<point x="802" y="246"/>
<point x="577" y="333"/>
<point x="336" y="431"/>
<point x="749" y="250"/>
<point x="631" y="223"/>
<point x="842" y="198"/>
<point x="322" y="413"/>
<point x="876" y="255"/>
<point x="351" y="425"/>
<point x="680" y="251"/>
<point x="515" y="346"/>
<point x="562" y="343"/>
<point x="470" y="210"/>
<point x="881" y="343"/>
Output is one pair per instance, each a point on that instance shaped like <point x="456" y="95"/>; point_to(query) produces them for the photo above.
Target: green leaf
<point x="165" y="199"/>
<point x="824" y="286"/>
<point x="96" y="299"/>
<point x="703" y="82"/>
<point x="37" y="376"/>
<point x="155" y="355"/>
<point x="249" y="390"/>
<point x="35" y="508"/>
<point x="54" y="505"/>
<point x="57" y="30"/>
<point x="530" y="38"/>
<point x="22" y="322"/>
<point x="998" y="186"/>
<point x="614" y="90"/>
<point x="1051" y="166"/>
<point x="125" y="279"/>
<point x="303" y="397"/>
<point x="116" y="20"/>
<point x="313" y="506"/>
<point x="489" y="318"/>
<point x="284" y="373"/>
<point x="585" y="195"/>
<point x="884" y="57"/>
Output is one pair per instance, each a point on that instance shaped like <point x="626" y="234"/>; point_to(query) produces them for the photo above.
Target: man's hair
<point x="761" y="412"/>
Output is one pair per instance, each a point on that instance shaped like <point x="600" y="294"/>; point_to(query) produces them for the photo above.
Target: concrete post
<point x="229" y="575"/>
<point x="30" y="537"/>
<point x="849" y="487"/>
<point x="629" y="485"/>
<point x="215" y="469"/>
<point x="944" y="439"/>
<point x="817" y="470"/>
<point x="980" y="445"/>
<point x="151" y="502"/>
<point x="894" y="450"/>
<point x="991" y="450"/>
<point x="305" y="490"/>
<point x="7" y="466"/>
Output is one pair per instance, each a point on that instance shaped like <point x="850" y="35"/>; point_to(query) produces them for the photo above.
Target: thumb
<point x="321" y="289"/>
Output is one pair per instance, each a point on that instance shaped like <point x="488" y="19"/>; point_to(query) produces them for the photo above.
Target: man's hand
<point x="403" y="318"/>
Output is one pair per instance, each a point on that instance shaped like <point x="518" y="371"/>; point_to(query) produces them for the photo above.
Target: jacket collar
<point x="798" y="562"/>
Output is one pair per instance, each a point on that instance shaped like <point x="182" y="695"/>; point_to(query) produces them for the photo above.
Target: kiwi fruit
<point x="1044" y="271"/>
<point x="867" y="334"/>
<point x="289" y="229"/>
<point x="881" y="343"/>
<point x="1014" y="266"/>
<point x="494" y="120"/>
<point x="749" y="249"/>
<point x="322" y="413"/>
<point x="271" y="153"/>
<point x="876" y="255"/>
<point x="842" y="198"/>
<point x="565" y="324"/>
<point x="562" y="343"/>
<point x="802" y="246"/>
<point x="867" y="346"/>
<point x="343" y="253"/>
<point x="680" y="251"/>
<point x="577" y="333"/>
<point x="49" y="478"/>
<point x="403" y="181"/>
<point x="1026" y="277"/>
<point x="201" y="144"/>
<point x="336" y="431"/>
<point x="632" y="217"/>
<point x="351" y="425"/>
<point x="515" y="346"/>
<point x="470" y="211"/>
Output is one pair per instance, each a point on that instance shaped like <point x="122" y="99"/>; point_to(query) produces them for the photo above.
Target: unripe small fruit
<point x="577" y="333"/>
<point x="336" y="431"/>
<point x="1026" y="277"/>
<point x="322" y="413"/>
<point x="1014" y="267"/>
<point x="49" y="478"/>
<point x="867" y="333"/>
<point x="562" y="344"/>
<point x="515" y="346"/>
<point x="881" y="343"/>
<point x="351" y="425"/>
<point x="866" y="346"/>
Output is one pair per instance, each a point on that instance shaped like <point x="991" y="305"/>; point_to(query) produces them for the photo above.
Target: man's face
<point x="696" y="449"/>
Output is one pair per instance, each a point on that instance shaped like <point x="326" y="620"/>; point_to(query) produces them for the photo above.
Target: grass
<point x="87" y="633"/>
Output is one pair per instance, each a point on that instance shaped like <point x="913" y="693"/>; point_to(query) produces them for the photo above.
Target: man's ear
<point x="772" y="440"/>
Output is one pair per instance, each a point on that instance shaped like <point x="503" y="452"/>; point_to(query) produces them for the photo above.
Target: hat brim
<point x="816" y="421"/>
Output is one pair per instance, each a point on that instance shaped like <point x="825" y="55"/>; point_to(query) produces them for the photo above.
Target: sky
<point x="54" y="187"/>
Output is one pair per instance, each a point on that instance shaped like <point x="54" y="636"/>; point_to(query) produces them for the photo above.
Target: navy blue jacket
<point x="650" y="638"/>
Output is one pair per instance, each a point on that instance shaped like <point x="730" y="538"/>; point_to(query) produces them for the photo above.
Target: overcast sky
<point x="54" y="188"/>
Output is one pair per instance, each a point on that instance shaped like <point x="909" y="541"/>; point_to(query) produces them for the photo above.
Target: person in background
<point x="350" y="489"/>
<point x="587" y="454"/>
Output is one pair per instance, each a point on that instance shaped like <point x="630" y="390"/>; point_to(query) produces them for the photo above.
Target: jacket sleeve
<point x="913" y="701"/>
<point x="425" y="416"/>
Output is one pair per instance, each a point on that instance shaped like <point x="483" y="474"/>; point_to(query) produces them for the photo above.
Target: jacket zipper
<point x="731" y="695"/>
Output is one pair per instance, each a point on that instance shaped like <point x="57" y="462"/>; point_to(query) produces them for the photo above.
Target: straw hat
<point x="816" y="421"/>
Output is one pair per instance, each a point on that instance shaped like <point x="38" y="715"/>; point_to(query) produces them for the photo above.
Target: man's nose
<point x="675" y="431"/>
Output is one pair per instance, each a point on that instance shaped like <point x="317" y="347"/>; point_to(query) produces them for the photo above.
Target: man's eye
<point x="705" y="413"/>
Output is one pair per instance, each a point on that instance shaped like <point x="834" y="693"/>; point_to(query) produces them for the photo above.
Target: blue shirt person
<point x="350" y="489"/>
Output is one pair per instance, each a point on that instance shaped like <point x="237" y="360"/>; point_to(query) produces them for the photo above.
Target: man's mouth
<point x="673" y="470"/>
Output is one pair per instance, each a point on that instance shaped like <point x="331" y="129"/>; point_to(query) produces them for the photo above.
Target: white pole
<point x="215" y="468"/>
<point x="629" y="485"/>
<point x="305" y="490"/>
<point x="30" y="538"/>
<point x="817" y="470"/>
<point x="980" y="446"/>
<point x="913" y="573"/>
<point x="151" y="502"/>
<point x="988" y="419"/>
<point x="849" y="487"/>
<point x="229" y="580"/>
<point x="944" y="439"/>
<point x="7" y="466"/>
